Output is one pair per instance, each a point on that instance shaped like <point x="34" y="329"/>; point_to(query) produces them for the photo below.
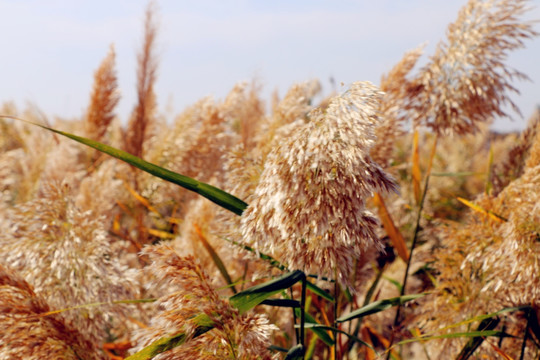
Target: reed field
<point x="382" y="222"/>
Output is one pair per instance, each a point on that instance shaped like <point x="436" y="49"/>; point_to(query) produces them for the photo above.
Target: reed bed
<point x="382" y="222"/>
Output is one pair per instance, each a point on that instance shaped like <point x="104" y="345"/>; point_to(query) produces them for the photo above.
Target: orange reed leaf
<point x="391" y="230"/>
<point x="483" y="211"/>
<point x="121" y="346"/>
<point x="141" y="199"/>
<point x="416" y="173"/>
<point x="499" y="351"/>
<point x="161" y="234"/>
<point x="368" y="352"/>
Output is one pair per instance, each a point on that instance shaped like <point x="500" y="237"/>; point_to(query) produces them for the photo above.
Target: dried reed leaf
<point x="499" y="351"/>
<point x="161" y="234"/>
<point x="416" y="172"/>
<point x="368" y="353"/>
<point x="393" y="232"/>
<point x="485" y="212"/>
<point x="141" y="199"/>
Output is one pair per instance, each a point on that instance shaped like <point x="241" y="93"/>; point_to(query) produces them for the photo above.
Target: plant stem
<point x="524" y="345"/>
<point x="415" y="239"/>
<point x="303" y="314"/>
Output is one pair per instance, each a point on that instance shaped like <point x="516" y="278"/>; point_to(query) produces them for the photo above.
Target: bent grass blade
<point x="212" y="193"/>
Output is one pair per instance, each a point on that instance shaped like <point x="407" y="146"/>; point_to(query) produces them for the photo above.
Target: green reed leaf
<point x="318" y="291"/>
<point x="378" y="306"/>
<point x="204" y="324"/>
<point x="313" y="326"/>
<point x="312" y="287"/>
<point x="475" y="342"/>
<point x="320" y="332"/>
<point x="212" y="193"/>
<point x="215" y="258"/>
<point x="472" y="334"/>
<point x="281" y="303"/>
<point x="253" y="296"/>
<point x="487" y="316"/>
<point x="295" y="353"/>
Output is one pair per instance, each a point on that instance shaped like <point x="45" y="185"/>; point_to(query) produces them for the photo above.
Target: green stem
<point x="303" y="313"/>
<point x="414" y="241"/>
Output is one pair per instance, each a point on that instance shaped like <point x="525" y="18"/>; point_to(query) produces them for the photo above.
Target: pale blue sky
<point x="51" y="48"/>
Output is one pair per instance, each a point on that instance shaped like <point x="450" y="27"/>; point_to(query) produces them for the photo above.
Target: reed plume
<point x="27" y="333"/>
<point x="103" y="100"/>
<point x="512" y="166"/>
<point x="187" y="292"/>
<point x="65" y="254"/>
<point x="139" y="124"/>
<point x="466" y="82"/>
<point x="395" y="104"/>
<point x="309" y="211"/>
<point x="486" y="264"/>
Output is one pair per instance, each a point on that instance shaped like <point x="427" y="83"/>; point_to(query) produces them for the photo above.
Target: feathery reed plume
<point x="466" y="82"/>
<point x="65" y="254"/>
<point x="103" y="100"/>
<point x="21" y="168"/>
<point x="294" y="106"/>
<point x="534" y="150"/>
<point x="489" y="264"/>
<point x="188" y="293"/>
<point x="394" y="107"/>
<point x="141" y="118"/>
<point x="309" y="211"/>
<point x="26" y="334"/>
<point x="512" y="167"/>
<point x="244" y="112"/>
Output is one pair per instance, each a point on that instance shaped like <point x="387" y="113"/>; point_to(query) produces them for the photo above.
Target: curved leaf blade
<point x="204" y="324"/>
<point x="253" y="296"/>
<point x="379" y="306"/>
<point x="212" y="193"/>
<point x="320" y="332"/>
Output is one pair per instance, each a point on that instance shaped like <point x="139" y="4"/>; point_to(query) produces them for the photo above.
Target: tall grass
<point x="382" y="222"/>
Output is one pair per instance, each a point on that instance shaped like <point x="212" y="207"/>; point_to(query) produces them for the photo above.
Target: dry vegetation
<point x="379" y="192"/>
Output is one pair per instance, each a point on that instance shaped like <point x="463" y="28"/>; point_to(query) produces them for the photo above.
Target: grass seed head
<point x="309" y="211"/>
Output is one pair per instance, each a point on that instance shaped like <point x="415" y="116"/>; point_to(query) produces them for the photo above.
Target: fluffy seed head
<point x="466" y="82"/>
<point x="309" y="208"/>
